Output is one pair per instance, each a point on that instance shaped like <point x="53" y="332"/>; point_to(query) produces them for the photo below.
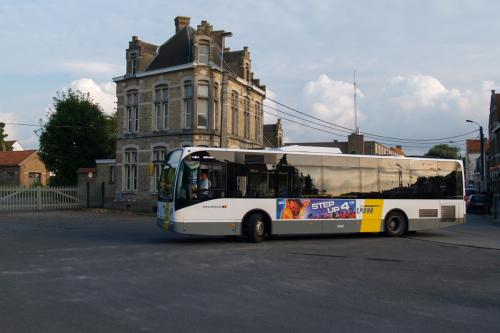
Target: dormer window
<point x="203" y="53"/>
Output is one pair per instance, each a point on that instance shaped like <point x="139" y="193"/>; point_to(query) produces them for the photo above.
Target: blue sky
<point x="422" y="67"/>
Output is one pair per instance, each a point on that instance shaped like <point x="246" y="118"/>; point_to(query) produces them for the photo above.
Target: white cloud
<point x="414" y="106"/>
<point x="90" y="67"/>
<point x="103" y="93"/>
<point x="417" y="94"/>
<point x="8" y="117"/>
<point x="331" y="100"/>
<point x="269" y="107"/>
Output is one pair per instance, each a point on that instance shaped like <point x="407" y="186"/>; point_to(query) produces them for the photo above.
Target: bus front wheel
<point x="395" y="224"/>
<point x="255" y="228"/>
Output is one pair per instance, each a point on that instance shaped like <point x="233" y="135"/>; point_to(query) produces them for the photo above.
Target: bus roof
<point x="305" y="150"/>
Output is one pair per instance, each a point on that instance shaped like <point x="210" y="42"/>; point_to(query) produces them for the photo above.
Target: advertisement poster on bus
<point x="315" y="209"/>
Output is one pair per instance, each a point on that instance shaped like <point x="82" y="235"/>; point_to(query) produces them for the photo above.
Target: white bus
<point x="259" y="193"/>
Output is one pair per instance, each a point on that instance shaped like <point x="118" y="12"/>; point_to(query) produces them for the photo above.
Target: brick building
<point x="22" y="168"/>
<point x="176" y="95"/>
<point x="492" y="167"/>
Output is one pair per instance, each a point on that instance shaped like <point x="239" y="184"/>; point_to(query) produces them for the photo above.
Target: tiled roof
<point x="86" y="170"/>
<point x="14" y="158"/>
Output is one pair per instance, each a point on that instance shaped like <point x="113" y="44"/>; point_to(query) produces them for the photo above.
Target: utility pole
<point x="481" y="137"/>
<point x="484" y="185"/>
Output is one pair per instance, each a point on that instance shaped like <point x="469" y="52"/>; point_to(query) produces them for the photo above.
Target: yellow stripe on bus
<point x="372" y="215"/>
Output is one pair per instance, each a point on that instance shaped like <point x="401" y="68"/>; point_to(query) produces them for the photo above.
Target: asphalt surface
<point x="81" y="271"/>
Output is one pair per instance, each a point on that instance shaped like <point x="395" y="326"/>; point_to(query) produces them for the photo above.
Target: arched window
<point x="132" y="111"/>
<point x="188" y="104"/>
<point x="202" y="105"/>
<point x="130" y="169"/>
<point x="161" y="107"/>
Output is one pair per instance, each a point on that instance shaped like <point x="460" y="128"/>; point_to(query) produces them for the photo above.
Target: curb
<point x="116" y="211"/>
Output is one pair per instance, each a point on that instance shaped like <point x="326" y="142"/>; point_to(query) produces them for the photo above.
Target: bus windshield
<point x="167" y="177"/>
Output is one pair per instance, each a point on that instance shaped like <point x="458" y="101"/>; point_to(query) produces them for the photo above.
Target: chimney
<point x="181" y="22"/>
<point x="493" y="92"/>
<point x="398" y="146"/>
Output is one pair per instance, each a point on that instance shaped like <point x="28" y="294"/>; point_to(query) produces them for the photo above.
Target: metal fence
<point x="14" y="198"/>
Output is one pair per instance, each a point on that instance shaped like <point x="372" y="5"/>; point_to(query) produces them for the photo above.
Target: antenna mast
<point x="355" y="106"/>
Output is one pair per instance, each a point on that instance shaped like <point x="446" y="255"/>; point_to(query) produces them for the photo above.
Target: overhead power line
<point x="370" y="134"/>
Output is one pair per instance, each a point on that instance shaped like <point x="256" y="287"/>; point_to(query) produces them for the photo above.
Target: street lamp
<point x="481" y="136"/>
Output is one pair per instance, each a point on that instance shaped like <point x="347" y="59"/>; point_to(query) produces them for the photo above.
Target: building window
<point x="203" y="53"/>
<point x="215" y="111"/>
<point x="34" y="178"/>
<point x="188" y="105"/>
<point x="112" y="174"/>
<point x="132" y="111"/>
<point x="235" y="111"/>
<point x="158" y="158"/>
<point x="161" y="107"/>
<point x="246" y="125"/>
<point x="130" y="165"/>
<point x="202" y="104"/>
<point x="258" y="125"/>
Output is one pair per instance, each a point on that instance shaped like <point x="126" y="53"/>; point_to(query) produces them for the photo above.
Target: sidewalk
<point x="479" y="231"/>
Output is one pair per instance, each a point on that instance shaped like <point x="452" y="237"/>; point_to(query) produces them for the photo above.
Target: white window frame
<point x="234" y="112"/>
<point x="132" y="111"/>
<point x="188" y="105"/>
<point x="202" y="104"/>
<point x="162" y="94"/>
<point x="215" y="110"/>
<point x="130" y="170"/>
<point x="203" y="57"/>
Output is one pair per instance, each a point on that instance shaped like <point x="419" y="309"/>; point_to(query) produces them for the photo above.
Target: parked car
<point x="478" y="203"/>
<point x="469" y="192"/>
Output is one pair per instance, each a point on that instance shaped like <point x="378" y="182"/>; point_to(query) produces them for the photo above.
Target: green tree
<point x="444" y="151"/>
<point x="4" y="146"/>
<point x="76" y="133"/>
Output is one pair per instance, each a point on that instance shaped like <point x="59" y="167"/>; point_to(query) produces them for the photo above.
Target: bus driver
<point x="203" y="184"/>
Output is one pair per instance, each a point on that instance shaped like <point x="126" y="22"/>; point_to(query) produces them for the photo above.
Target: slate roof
<point x="176" y="51"/>
<point x="14" y="158"/>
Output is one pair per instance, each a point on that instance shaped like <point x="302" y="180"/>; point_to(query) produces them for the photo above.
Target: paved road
<point x="103" y="272"/>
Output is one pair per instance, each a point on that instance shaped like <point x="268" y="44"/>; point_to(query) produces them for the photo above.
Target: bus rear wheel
<point x="395" y="224"/>
<point x="255" y="228"/>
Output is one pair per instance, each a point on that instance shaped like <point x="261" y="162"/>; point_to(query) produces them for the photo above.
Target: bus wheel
<point x="255" y="228"/>
<point x="395" y="224"/>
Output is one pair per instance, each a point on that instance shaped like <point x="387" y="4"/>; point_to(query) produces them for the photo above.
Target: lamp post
<point x="481" y="137"/>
